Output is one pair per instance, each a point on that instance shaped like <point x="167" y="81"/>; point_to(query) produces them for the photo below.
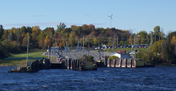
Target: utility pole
<point x="27" y="48"/>
<point x="78" y="42"/>
<point x="113" y="44"/>
<point x="48" y="52"/>
<point x="108" y="44"/>
<point x="83" y="45"/>
<point x="151" y="38"/>
<point x="117" y="41"/>
<point x="51" y="53"/>
<point x="131" y="44"/>
<point x="134" y="47"/>
<point x="155" y="37"/>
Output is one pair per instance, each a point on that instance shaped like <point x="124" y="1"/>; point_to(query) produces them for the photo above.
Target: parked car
<point x="117" y="46"/>
<point x="146" y="46"/>
<point x="121" y="51"/>
<point x="120" y="46"/>
<point x="129" y="46"/>
<point x="135" y="46"/>
<point x="109" y="46"/>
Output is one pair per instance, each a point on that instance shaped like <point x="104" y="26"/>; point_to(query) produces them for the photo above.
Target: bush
<point x="113" y="57"/>
<point x="88" y="59"/>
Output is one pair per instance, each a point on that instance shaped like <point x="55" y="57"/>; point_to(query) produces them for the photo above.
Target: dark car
<point x="129" y="46"/>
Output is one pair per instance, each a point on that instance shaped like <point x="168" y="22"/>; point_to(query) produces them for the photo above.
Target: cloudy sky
<point x="134" y="15"/>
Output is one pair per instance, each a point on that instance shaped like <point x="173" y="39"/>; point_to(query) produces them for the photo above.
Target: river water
<point x="115" y="79"/>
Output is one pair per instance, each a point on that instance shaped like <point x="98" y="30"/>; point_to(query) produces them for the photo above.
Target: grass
<point x="31" y="54"/>
<point x="36" y="53"/>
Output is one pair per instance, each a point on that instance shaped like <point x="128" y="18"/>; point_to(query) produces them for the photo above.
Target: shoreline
<point x="165" y="65"/>
<point x="2" y="65"/>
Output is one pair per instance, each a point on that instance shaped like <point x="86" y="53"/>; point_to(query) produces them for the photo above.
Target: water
<point x="115" y="79"/>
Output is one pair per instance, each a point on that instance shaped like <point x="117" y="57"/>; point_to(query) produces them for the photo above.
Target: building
<point x="121" y="55"/>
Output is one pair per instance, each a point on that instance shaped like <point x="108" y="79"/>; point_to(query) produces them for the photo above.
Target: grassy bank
<point x="36" y="53"/>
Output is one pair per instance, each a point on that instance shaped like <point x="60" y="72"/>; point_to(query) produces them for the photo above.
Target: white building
<point x="121" y="55"/>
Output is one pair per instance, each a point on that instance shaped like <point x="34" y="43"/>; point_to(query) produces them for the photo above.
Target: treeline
<point x="162" y="51"/>
<point x="14" y="40"/>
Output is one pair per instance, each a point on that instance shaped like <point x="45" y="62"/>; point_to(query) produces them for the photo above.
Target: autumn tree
<point x="130" y="39"/>
<point x="173" y="40"/>
<point x="71" y="39"/>
<point x="48" y="41"/>
<point x="35" y="32"/>
<point x="41" y="38"/>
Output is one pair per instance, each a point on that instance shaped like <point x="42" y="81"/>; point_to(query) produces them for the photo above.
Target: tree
<point x="157" y="32"/>
<point x="157" y="47"/>
<point x="157" y="50"/>
<point x="143" y="36"/>
<point x="173" y="40"/>
<point x="2" y="54"/>
<point x="5" y="35"/>
<point x="48" y="41"/>
<point x="71" y="39"/>
<point x="12" y="36"/>
<point x="35" y="32"/>
<point x="60" y="27"/>
<point x="130" y="39"/>
<point x="23" y="29"/>
<point x="41" y="38"/>
<point x="49" y="31"/>
<point x="95" y="41"/>
<point x="18" y="34"/>
<point x="1" y="31"/>
<point x="137" y="39"/>
<point x="7" y="46"/>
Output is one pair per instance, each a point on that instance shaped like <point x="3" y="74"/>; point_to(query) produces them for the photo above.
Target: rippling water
<point x="156" y="78"/>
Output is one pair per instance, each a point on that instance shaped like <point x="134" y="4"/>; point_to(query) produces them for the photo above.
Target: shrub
<point x="88" y="59"/>
<point x="113" y="57"/>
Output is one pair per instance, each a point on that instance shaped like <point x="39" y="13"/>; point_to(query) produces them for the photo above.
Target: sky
<point x="133" y="15"/>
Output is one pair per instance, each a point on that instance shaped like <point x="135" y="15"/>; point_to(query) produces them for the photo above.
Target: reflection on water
<point x="157" y="78"/>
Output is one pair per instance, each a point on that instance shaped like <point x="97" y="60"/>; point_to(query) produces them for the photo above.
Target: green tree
<point x="156" y="33"/>
<point x="157" y="50"/>
<point x="12" y="36"/>
<point x="41" y="38"/>
<point x="7" y="46"/>
<point x="95" y="41"/>
<point x="23" y="29"/>
<point x="143" y="36"/>
<point x="1" y="31"/>
<point x="61" y="27"/>
<point x="71" y="39"/>
<point x="18" y="35"/>
<point x="2" y="54"/>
